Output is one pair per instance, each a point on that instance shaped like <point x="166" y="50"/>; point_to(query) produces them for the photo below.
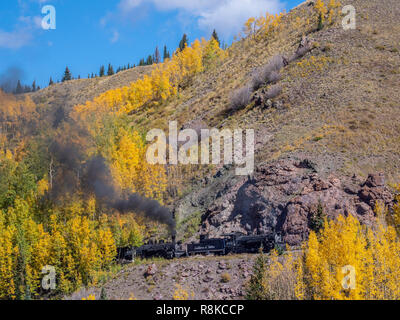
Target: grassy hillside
<point x="339" y="102"/>
<point x="74" y="92"/>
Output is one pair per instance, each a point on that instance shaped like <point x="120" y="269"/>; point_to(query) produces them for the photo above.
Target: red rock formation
<point x="283" y="197"/>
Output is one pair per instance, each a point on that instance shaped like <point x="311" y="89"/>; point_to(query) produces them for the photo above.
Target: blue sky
<point x="90" y="33"/>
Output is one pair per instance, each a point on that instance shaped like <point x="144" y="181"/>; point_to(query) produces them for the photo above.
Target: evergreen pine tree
<point x="255" y="289"/>
<point x="157" y="56"/>
<point x="184" y="42"/>
<point x="149" y="60"/>
<point x="215" y="36"/>
<point x="166" y="53"/>
<point x="102" y="71"/>
<point x="103" y="294"/>
<point x="110" y="71"/>
<point x="19" y="88"/>
<point x="34" y="86"/>
<point x="318" y="218"/>
<point x="51" y="82"/>
<point x="67" y="75"/>
<point x="320" y="22"/>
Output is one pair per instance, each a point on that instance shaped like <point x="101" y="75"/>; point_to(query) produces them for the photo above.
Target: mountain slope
<point x="322" y="141"/>
<point x="338" y="108"/>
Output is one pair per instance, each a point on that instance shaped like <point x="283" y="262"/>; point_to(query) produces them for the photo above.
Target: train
<point x="233" y="243"/>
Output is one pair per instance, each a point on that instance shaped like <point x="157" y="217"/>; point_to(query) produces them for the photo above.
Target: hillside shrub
<point x="269" y="73"/>
<point x="241" y="98"/>
<point x="274" y="91"/>
<point x="225" y="278"/>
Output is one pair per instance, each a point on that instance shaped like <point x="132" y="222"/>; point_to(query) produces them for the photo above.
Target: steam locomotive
<point x="228" y="243"/>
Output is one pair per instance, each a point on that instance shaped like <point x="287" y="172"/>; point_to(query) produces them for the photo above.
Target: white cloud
<point x="14" y="39"/>
<point x="227" y="16"/>
<point x="22" y="34"/>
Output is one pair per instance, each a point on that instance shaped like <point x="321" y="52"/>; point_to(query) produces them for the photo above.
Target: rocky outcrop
<point x="282" y="198"/>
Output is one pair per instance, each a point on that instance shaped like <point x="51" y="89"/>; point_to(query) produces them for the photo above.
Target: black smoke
<point x="93" y="177"/>
<point x="97" y="180"/>
<point x="65" y="168"/>
<point x="9" y="79"/>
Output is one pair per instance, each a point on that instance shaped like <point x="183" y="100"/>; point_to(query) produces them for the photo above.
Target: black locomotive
<point x="228" y="243"/>
<point x="216" y="246"/>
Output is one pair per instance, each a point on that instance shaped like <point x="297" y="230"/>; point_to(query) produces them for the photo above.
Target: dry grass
<point x="343" y="112"/>
<point x="344" y="84"/>
<point x="71" y="93"/>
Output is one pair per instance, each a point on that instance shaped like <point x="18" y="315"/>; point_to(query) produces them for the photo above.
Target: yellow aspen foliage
<point x="373" y="254"/>
<point x="131" y="170"/>
<point x="313" y="265"/>
<point x="90" y="297"/>
<point x="91" y="207"/>
<point x="320" y="9"/>
<point x="15" y="110"/>
<point x="333" y="10"/>
<point x="128" y="230"/>
<point x="82" y="247"/>
<point x="127" y="161"/>
<point x="42" y="187"/>
<point x="250" y="26"/>
<point x="160" y="85"/>
<point x="188" y="61"/>
<point x="107" y="247"/>
<point x="265" y="25"/>
<point x="41" y="251"/>
<point x="212" y="53"/>
<point x="74" y="240"/>
<point x="300" y="287"/>
<point x="306" y="67"/>
<point x="346" y="261"/>
<point x="8" y="253"/>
